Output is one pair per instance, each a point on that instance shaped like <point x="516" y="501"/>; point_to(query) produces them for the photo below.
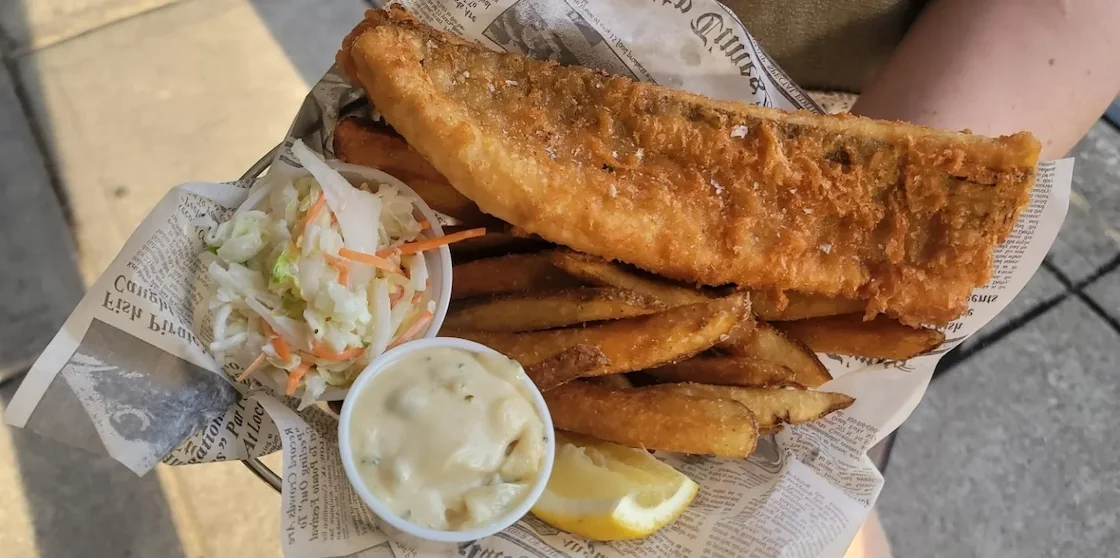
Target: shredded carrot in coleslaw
<point x="282" y="348"/>
<point x="369" y="259"/>
<point x="414" y="329"/>
<point x="295" y="376"/>
<point x="256" y="365"/>
<point x="430" y="243"/>
<point x="326" y="354"/>
<point x="343" y="268"/>
<point x="312" y="213"/>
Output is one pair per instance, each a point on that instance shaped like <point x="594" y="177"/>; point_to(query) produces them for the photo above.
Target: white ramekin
<point x="399" y="529"/>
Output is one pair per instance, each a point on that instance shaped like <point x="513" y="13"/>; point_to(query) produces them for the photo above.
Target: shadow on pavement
<point x="84" y="505"/>
<point x="310" y="33"/>
<point x="79" y="504"/>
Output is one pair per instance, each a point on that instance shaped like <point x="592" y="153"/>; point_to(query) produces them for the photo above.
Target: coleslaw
<point x="318" y="279"/>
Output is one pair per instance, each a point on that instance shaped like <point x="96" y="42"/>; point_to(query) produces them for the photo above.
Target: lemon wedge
<point x="607" y="492"/>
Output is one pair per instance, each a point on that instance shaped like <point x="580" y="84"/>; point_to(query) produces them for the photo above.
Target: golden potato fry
<point x="726" y="371"/>
<point x="536" y="311"/>
<point x="369" y="145"/>
<point x="764" y="342"/>
<point x="509" y="274"/>
<point x="616" y="381"/>
<point x="441" y="197"/>
<point x="491" y="244"/>
<point x="566" y="366"/>
<point x="654" y="419"/>
<point x="798" y="306"/>
<point x="598" y="271"/>
<point x="521" y="233"/>
<point x="630" y="344"/>
<point x="771" y="406"/>
<point x="882" y="337"/>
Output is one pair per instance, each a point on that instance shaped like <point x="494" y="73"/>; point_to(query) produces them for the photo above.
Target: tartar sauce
<point x="448" y="439"/>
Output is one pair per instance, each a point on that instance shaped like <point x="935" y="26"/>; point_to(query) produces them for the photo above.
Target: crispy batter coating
<point x="696" y="189"/>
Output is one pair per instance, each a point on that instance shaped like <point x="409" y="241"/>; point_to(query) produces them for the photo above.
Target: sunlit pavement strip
<point x="17" y="534"/>
<point x="196" y="90"/>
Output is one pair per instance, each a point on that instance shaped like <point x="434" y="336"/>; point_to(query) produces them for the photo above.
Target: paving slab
<point x="234" y="514"/>
<point x="33" y="24"/>
<point x="310" y="35"/>
<point x="61" y="502"/>
<point x="1090" y="236"/>
<point x="1106" y="293"/>
<point x="39" y="285"/>
<point x="1015" y="454"/>
<point x="1043" y="287"/>
<point x="198" y="90"/>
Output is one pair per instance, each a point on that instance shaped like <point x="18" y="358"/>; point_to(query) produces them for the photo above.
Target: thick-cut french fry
<point x="654" y="419"/>
<point x="882" y="337"/>
<point x="566" y="366"/>
<point x="764" y="342"/>
<point x="726" y="371"/>
<point x="617" y="381"/>
<point x="492" y="244"/>
<point x="771" y="406"/>
<point x="798" y="306"/>
<point x="441" y="197"/>
<point x="521" y="233"/>
<point x="370" y="146"/>
<point x="598" y="271"/>
<point x="630" y="344"/>
<point x="761" y="341"/>
<point x="367" y="145"/>
<point x="536" y="311"/>
<point x="509" y="274"/>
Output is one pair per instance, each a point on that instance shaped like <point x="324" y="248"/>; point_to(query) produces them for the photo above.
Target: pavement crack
<point x="1099" y="310"/>
<point x="955" y="358"/>
<point x="1104" y="269"/>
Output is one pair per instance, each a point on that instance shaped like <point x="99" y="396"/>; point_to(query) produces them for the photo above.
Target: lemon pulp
<point x="604" y="491"/>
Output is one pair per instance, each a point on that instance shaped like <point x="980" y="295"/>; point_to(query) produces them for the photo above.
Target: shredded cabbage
<point x="282" y="276"/>
<point x="279" y="274"/>
<point x="247" y="236"/>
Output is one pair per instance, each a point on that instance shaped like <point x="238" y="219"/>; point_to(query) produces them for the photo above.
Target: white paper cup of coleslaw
<point x="438" y="261"/>
<point x="400" y="529"/>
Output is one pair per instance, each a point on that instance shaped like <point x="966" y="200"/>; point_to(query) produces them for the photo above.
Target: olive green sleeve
<point x="828" y="44"/>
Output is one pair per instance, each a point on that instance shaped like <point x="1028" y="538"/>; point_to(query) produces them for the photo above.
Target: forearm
<point x="1001" y="66"/>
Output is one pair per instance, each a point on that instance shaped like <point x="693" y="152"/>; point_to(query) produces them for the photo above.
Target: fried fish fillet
<point x="700" y="190"/>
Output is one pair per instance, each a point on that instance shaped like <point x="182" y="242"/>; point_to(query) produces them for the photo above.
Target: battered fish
<point x="696" y="189"/>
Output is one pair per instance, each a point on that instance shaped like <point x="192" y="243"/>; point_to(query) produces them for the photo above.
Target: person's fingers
<point x="870" y="541"/>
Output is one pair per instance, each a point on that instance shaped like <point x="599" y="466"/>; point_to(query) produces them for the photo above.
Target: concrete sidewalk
<point x="119" y="100"/>
<point x="105" y="104"/>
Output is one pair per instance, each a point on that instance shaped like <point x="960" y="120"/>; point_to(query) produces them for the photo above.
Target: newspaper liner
<point x="129" y="368"/>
